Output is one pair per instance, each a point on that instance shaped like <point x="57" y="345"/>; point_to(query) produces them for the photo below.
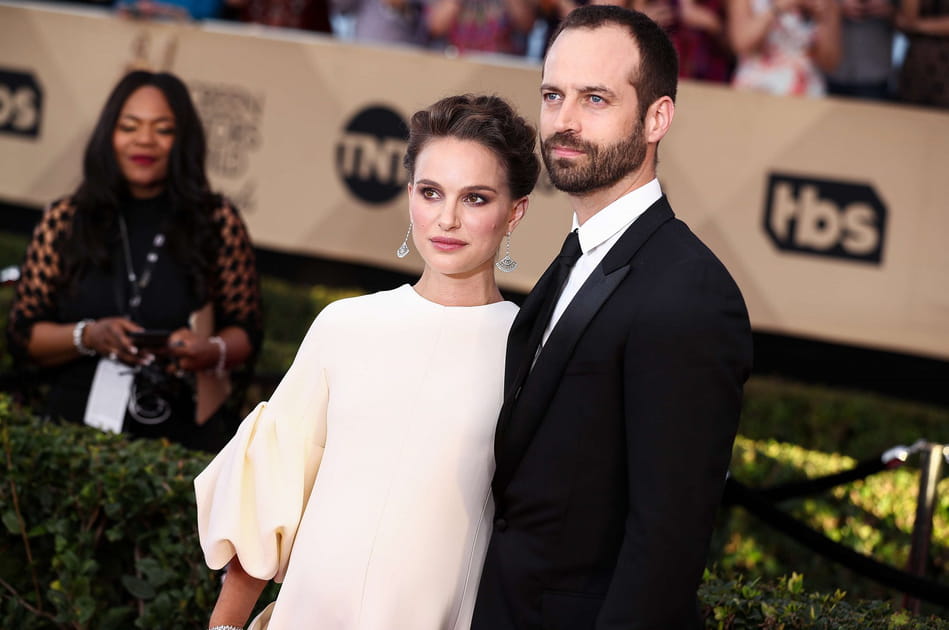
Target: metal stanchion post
<point x="930" y="465"/>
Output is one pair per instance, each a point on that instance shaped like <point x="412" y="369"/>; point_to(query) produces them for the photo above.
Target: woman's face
<point x="460" y="206"/>
<point x="143" y="137"/>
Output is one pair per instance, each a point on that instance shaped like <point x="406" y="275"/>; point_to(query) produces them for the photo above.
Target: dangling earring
<point x="507" y="264"/>
<point x="403" y="250"/>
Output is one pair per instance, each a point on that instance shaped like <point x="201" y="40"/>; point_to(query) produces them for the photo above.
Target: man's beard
<point x="599" y="167"/>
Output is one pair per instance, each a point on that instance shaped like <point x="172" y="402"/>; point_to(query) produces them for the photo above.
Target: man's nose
<point x="566" y="118"/>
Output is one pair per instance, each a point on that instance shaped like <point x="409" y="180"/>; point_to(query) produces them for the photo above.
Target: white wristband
<point x="219" y="370"/>
<point x="225" y="628"/>
<point x="77" y="338"/>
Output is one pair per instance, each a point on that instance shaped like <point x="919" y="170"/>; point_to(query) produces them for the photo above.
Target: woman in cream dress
<point x="364" y="483"/>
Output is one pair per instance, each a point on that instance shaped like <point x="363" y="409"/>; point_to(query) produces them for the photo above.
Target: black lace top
<point x="167" y="301"/>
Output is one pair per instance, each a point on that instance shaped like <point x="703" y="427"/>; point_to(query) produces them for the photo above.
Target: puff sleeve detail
<point x="251" y="497"/>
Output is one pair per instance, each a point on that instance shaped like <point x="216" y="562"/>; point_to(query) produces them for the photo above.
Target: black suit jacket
<point x="612" y="452"/>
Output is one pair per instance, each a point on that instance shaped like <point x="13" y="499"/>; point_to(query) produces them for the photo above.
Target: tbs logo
<point x="21" y="104"/>
<point x="825" y="217"/>
<point x="369" y="155"/>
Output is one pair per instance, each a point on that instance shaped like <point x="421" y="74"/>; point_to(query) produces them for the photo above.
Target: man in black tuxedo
<point x="625" y="366"/>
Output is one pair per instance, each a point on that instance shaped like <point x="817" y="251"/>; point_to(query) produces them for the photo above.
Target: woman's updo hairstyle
<point x="488" y="120"/>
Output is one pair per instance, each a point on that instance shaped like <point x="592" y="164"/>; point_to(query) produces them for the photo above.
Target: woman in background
<point x="143" y="244"/>
<point x="923" y="76"/>
<point x="364" y="484"/>
<point x="784" y="46"/>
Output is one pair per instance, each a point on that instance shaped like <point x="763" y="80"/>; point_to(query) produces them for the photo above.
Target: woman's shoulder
<point x="57" y="217"/>
<point x="369" y="303"/>
<point x="508" y="308"/>
<point x="403" y="301"/>
<point x="61" y="209"/>
<point x="222" y="208"/>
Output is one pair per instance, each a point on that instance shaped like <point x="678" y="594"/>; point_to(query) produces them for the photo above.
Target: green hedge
<point x="99" y="530"/>
<point x="99" y="533"/>
<point x="784" y="604"/>
<point x="791" y="431"/>
<point x="873" y="516"/>
<point x="835" y="420"/>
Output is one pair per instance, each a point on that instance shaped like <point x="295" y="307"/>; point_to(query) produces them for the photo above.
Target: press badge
<point x="109" y="395"/>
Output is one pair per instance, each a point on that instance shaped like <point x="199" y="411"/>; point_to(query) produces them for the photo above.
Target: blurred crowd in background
<point x="890" y="50"/>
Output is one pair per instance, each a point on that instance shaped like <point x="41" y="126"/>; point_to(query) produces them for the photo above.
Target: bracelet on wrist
<point x="219" y="370"/>
<point x="225" y="628"/>
<point x="77" y="330"/>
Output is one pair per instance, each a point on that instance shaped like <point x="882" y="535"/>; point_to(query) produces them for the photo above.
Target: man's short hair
<point x="658" y="71"/>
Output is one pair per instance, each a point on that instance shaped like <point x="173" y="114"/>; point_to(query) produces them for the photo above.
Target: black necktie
<point x="564" y="262"/>
<point x="553" y="281"/>
<point x="570" y="251"/>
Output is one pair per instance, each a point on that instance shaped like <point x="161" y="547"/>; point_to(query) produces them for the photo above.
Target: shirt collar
<point x="617" y="216"/>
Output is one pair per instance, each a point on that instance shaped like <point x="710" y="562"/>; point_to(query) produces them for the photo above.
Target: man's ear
<point x="658" y="119"/>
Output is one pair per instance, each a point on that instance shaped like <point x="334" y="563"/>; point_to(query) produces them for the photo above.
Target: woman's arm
<point x="699" y="17"/>
<point x="659" y="11"/>
<point x="238" y="314"/>
<point x="197" y="352"/>
<point x="909" y="21"/>
<point x="33" y="331"/>
<point x="748" y="30"/>
<point x="826" y="48"/>
<point x="239" y="593"/>
<point x="522" y="13"/>
<point x="54" y="344"/>
<point x="441" y="15"/>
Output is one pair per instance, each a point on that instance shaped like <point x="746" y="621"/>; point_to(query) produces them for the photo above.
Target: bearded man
<point x="625" y="366"/>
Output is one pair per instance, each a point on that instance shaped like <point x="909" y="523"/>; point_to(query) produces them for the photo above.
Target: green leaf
<point x="796" y="583"/>
<point x="11" y="522"/>
<point x="138" y="587"/>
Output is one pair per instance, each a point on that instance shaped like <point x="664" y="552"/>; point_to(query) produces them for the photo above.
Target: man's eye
<point x="550" y="96"/>
<point x="596" y="99"/>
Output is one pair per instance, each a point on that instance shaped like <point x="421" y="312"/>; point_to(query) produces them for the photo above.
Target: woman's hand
<point x="788" y="6"/>
<point x="193" y="352"/>
<point x="109" y="337"/>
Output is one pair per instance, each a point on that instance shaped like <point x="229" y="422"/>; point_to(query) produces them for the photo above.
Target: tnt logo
<point x="21" y="104"/>
<point x="369" y="155"/>
<point x="825" y="217"/>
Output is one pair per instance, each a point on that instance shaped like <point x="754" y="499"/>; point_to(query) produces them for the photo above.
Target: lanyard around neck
<point x="136" y="282"/>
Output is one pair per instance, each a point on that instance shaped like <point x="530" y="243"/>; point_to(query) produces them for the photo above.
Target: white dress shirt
<point x="597" y="237"/>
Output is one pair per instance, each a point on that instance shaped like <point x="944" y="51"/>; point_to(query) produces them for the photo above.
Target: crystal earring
<point x="507" y="264"/>
<point x="403" y="250"/>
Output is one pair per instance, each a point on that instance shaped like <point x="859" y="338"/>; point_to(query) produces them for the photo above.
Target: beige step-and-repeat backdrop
<point x="833" y="216"/>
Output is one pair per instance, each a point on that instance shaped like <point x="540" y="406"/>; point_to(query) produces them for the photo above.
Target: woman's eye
<point x="430" y="193"/>
<point x="475" y="199"/>
<point x="167" y="131"/>
<point x="126" y="128"/>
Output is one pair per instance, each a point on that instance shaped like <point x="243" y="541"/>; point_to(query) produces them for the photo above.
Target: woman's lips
<point x="447" y="244"/>
<point x="143" y="160"/>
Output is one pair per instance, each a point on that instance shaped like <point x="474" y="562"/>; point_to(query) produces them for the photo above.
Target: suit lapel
<point x="523" y="330"/>
<point x="525" y="406"/>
